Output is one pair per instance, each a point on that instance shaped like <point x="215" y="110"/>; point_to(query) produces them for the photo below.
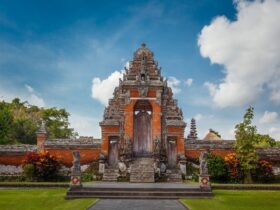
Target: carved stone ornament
<point x="143" y="91"/>
<point x="203" y="164"/>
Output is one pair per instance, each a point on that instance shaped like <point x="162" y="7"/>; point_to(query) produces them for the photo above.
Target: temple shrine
<point x="142" y="125"/>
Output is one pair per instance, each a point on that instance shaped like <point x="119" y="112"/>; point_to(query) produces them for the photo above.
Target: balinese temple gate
<point x="142" y="127"/>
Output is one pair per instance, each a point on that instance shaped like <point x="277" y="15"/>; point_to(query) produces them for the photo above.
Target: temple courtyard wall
<point x="12" y="156"/>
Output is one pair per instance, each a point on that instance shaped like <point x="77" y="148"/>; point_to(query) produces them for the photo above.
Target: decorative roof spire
<point x="42" y="129"/>
<point x="193" y="132"/>
<point x="143" y="45"/>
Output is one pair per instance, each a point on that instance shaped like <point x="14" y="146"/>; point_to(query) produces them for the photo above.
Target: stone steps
<point x="174" y="176"/>
<point x="110" y="175"/>
<point x="138" y="193"/>
<point x="142" y="171"/>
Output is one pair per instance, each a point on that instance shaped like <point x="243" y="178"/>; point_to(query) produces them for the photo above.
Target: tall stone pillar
<point x="76" y="171"/>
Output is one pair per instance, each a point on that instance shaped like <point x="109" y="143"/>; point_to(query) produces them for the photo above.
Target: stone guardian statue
<point x="204" y="180"/>
<point x="76" y="170"/>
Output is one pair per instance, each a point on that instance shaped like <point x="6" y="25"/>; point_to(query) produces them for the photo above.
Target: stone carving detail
<point x="203" y="169"/>
<point x="76" y="169"/>
<point x="122" y="166"/>
<point x="143" y="91"/>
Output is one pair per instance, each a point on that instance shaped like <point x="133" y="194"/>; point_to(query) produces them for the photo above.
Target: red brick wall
<point x="179" y="133"/>
<point x="196" y="153"/>
<point x="12" y="159"/>
<point x="108" y="131"/>
<point x="66" y="157"/>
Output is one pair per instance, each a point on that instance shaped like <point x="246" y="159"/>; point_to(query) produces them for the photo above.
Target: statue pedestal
<point x="204" y="182"/>
<point x="75" y="181"/>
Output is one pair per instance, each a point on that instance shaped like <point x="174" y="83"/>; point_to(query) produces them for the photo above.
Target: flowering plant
<point x="45" y="166"/>
<point x="233" y="166"/>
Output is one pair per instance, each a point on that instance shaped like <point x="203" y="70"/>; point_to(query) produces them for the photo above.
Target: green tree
<point x="6" y="120"/>
<point x="245" y="134"/>
<point x="57" y="123"/>
<point x="217" y="168"/>
<point x="19" y="122"/>
<point x="265" y="141"/>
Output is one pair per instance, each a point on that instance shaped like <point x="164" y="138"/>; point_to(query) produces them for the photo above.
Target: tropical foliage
<point x="263" y="172"/>
<point x="245" y="134"/>
<point x="41" y="166"/>
<point x="233" y="166"/>
<point x="19" y="122"/>
<point x="217" y="168"/>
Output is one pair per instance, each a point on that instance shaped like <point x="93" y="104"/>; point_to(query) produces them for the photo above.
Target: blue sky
<point x="51" y="52"/>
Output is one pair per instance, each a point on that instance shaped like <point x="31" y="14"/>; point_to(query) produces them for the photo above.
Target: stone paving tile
<point x="137" y="204"/>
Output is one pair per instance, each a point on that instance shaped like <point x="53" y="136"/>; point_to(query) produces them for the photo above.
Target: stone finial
<point x="42" y="129"/>
<point x="143" y="45"/>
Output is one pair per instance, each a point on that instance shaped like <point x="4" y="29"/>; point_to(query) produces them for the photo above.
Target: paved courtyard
<point x="137" y="204"/>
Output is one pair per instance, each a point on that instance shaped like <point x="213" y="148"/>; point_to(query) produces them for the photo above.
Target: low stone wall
<point x="193" y="148"/>
<point x="88" y="147"/>
<point x="14" y="154"/>
<point x="244" y="187"/>
<point x="10" y="170"/>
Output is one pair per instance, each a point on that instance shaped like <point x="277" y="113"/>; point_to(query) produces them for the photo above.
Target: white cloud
<point x="268" y="117"/>
<point x="29" y="88"/>
<point x="33" y="98"/>
<point x="85" y="126"/>
<point x="198" y="117"/>
<point x="30" y="95"/>
<point x="36" y="100"/>
<point x="189" y="82"/>
<point x="249" y="49"/>
<point x="102" y="90"/>
<point x="174" y="83"/>
<point x="274" y="132"/>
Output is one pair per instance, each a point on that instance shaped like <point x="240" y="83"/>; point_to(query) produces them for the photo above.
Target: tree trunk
<point x="247" y="177"/>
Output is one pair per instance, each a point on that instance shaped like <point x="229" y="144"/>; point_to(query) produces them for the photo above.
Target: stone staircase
<point x="142" y="171"/>
<point x="110" y="175"/>
<point x="138" y="191"/>
<point x="174" y="175"/>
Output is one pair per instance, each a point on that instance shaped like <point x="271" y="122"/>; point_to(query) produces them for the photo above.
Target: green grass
<point x="236" y="200"/>
<point x="43" y="199"/>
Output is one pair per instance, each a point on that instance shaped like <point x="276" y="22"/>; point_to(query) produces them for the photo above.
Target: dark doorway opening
<point x="172" y="151"/>
<point x="142" y="143"/>
<point x="113" y="151"/>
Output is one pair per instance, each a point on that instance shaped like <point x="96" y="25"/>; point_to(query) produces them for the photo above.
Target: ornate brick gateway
<point x="142" y="124"/>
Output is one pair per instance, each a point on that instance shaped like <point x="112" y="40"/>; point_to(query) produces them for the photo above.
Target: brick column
<point x="41" y="136"/>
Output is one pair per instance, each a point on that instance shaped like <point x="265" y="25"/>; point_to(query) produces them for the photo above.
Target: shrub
<point x="87" y="177"/>
<point x="45" y="166"/>
<point x="217" y="168"/>
<point x="29" y="171"/>
<point x="233" y="166"/>
<point x="263" y="172"/>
